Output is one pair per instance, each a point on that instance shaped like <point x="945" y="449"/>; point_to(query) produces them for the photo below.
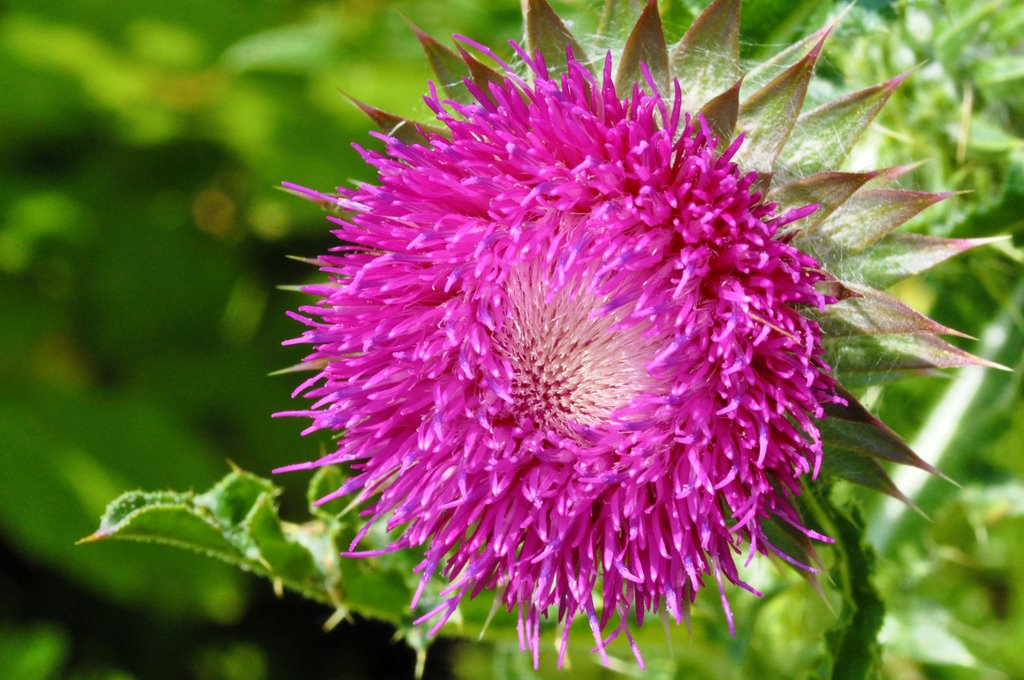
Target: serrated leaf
<point x="447" y="65"/>
<point x="872" y="312"/>
<point x="823" y="137"/>
<point x="646" y="45"/>
<point x="706" y="59"/>
<point x="617" y="20"/>
<point x="547" y="34"/>
<point x="287" y="559"/>
<point x="164" y="517"/>
<point x="828" y="190"/>
<point x="863" y="219"/>
<point x="233" y="497"/>
<point x="235" y="521"/>
<point x="326" y="480"/>
<point x="898" y="256"/>
<point x="402" y="129"/>
<point x="768" y="116"/>
<point x="721" y="112"/>
<point x="879" y="355"/>
<point x="852" y="427"/>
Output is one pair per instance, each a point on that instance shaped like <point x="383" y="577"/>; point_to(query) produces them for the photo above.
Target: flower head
<point x="574" y="351"/>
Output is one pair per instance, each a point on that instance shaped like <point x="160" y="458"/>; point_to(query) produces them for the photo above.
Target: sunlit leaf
<point x="618" y="19"/>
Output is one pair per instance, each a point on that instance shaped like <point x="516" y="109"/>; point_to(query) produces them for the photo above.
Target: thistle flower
<point x="575" y="336"/>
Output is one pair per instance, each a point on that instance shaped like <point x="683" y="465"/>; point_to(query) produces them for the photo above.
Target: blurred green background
<point x="142" y="237"/>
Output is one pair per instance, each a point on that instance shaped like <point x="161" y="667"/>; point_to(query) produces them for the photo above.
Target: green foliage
<point x="237" y="521"/>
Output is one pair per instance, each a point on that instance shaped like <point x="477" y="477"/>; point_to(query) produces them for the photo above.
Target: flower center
<point x="571" y="366"/>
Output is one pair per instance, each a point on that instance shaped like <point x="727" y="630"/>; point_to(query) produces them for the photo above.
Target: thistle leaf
<point x="175" y="523"/>
<point x="547" y="34"/>
<point x="863" y="219"/>
<point x="706" y="60"/>
<point x="721" y="113"/>
<point x="617" y="20"/>
<point x="768" y="116"/>
<point x="899" y="256"/>
<point x="823" y="137"/>
<point x="854" y="429"/>
<point x="402" y="129"/>
<point x="646" y="45"/>
<point x="872" y="358"/>
<point x="235" y="521"/>
<point x="827" y="189"/>
<point x="447" y="65"/>
<point x="872" y="312"/>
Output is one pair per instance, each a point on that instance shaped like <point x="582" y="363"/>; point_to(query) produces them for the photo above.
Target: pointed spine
<point x="840" y="462"/>
<point x="721" y="113"/>
<point x="448" y="66"/>
<point x="899" y="256"/>
<point x="872" y="312"/>
<point x="402" y="129"/>
<point x="646" y="45"/>
<point x="853" y="426"/>
<point x="547" y="34"/>
<point x="768" y="116"/>
<point x="878" y="358"/>
<point x="758" y="76"/>
<point x="483" y="76"/>
<point x="841" y="122"/>
<point x="707" y="59"/>
<point x="863" y="219"/>
<point x="829" y="190"/>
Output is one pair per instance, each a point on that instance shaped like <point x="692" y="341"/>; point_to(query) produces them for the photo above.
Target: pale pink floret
<point x="565" y="350"/>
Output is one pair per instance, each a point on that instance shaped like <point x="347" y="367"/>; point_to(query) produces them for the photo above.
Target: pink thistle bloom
<point x="564" y="344"/>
